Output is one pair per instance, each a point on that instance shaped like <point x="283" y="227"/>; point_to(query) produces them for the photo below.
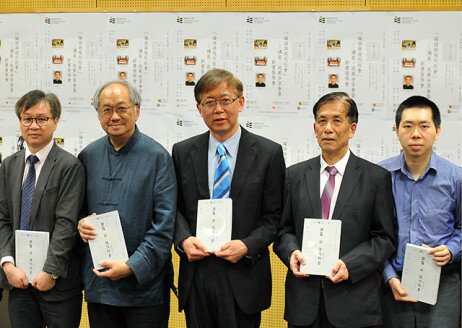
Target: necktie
<point x="28" y="189"/>
<point x="328" y="192"/>
<point x="222" y="179"/>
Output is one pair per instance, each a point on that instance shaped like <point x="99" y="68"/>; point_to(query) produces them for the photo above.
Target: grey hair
<point x="134" y="95"/>
<point x="213" y="78"/>
<point x="341" y="97"/>
<point x="35" y="97"/>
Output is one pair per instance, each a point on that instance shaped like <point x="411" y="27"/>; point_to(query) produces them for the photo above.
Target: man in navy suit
<point x="230" y="287"/>
<point x="362" y="199"/>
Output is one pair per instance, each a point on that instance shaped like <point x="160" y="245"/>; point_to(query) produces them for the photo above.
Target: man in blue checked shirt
<point x="427" y="193"/>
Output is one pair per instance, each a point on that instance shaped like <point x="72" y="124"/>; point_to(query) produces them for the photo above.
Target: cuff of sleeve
<point x="139" y="268"/>
<point x="7" y="259"/>
<point x="388" y="273"/>
<point x="454" y="249"/>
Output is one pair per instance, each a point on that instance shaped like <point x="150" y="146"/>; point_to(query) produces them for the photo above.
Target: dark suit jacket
<point x="57" y="200"/>
<point x="365" y="206"/>
<point x="257" y="194"/>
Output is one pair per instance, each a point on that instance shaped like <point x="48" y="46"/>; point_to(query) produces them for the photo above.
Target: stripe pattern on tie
<point x="328" y="192"/>
<point x="222" y="178"/>
<point x="28" y="189"/>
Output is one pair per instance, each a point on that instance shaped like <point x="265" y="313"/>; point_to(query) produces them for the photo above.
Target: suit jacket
<point x="257" y="193"/>
<point x="57" y="200"/>
<point x="365" y="206"/>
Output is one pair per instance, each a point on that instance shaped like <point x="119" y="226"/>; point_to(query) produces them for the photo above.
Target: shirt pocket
<point x="437" y="215"/>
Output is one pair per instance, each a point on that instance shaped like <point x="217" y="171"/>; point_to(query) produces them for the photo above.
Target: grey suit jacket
<point x="365" y="206"/>
<point x="257" y="194"/>
<point x="57" y="200"/>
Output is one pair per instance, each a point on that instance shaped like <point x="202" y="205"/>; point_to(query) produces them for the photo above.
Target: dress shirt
<point x="340" y="166"/>
<point x="428" y="210"/>
<point x="232" y="147"/>
<point x="42" y="156"/>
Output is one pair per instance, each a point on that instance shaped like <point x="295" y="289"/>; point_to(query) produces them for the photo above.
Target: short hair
<point x="406" y="76"/>
<point x="35" y="97"/>
<point x="418" y="102"/>
<point x="342" y="97"/>
<point x="133" y="94"/>
<point x="333" y="75"/>
<point x="213" y="78"/>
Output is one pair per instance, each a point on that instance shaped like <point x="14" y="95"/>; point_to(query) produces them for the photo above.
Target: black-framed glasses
<point x="27" y="121"/>
<point x="212" y="103"/>
<point x="108" y="111"/>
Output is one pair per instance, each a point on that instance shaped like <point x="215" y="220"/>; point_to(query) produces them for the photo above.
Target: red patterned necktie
<point x="328" y="192"/>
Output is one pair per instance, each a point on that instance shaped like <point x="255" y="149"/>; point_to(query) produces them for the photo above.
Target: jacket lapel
<point x="42" y="181"/>
<point x="348" y="185"/>
<point x="199" y="157"/>
<point x="16" y="190"/>
<point x="312" y="176"/>
<point x="244" y="161"/>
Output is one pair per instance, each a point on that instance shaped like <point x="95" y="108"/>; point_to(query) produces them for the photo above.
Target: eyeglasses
<point x="212" y="103"/>
<point x="109" y="111"/>
<point x="27" y="121"/>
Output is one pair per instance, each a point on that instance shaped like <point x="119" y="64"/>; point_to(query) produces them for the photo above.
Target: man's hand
<point x="194" y="249"/>
<point x="399" y="293"/>
<point x="43" y="282"/>
<point x="16" y="277"/>
<point x="297" y="259"/>
<point x="441" y="254"/>
<point x="339" y="272"/>
<point x="232" y="251"/>
<point x="114" y="270"/>
<point x="86" y="230"/>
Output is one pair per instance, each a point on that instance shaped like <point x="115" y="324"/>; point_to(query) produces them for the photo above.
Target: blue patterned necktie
<point x="28" y="189"/>
<point x="222" y="180"/>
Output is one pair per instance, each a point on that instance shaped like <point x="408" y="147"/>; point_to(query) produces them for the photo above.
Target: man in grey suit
<point x="229" y="287"/>
<point x="53" y="298"/>
<point x="360" y="196"/>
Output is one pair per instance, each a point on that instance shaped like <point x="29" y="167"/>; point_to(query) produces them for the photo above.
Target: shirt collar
<point x="41" y="154"/>
<point x="231" y="145"/>
<point x="340" y="165"/>
<point x="132" y="141"/>
<point x="400" y="164"/>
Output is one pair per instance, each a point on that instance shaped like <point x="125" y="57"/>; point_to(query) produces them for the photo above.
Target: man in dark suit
<point x="260" y="81"/>
<point x="190" y="79"/>
<point x="361" y="198"/>
<point x="229" y="287"/>
<point x="53" y="298"/>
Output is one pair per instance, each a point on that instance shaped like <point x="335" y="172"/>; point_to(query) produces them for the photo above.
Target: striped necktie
<point x="28" y="189"/>
<point x="328" y="192"/>
<point x="222" y="179"/>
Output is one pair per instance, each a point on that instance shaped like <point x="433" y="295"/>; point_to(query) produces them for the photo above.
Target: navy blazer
<point x="257" y="193"/>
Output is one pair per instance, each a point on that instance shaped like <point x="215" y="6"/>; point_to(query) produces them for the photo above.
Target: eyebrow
<point x="417" y="122"/>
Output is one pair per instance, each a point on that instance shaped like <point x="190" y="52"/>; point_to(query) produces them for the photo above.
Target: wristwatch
<point x="54" y="276"/>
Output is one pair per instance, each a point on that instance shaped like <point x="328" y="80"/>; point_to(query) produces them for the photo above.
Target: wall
<point x="296" y="41"/>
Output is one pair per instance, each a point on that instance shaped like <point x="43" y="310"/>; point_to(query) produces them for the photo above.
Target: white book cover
<point x="109" y="244"/>
<point x="31" y="251"/>
<point x="214" y="222"/>
<point x="320" y="245"/>
<point x="421" y="275"/>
